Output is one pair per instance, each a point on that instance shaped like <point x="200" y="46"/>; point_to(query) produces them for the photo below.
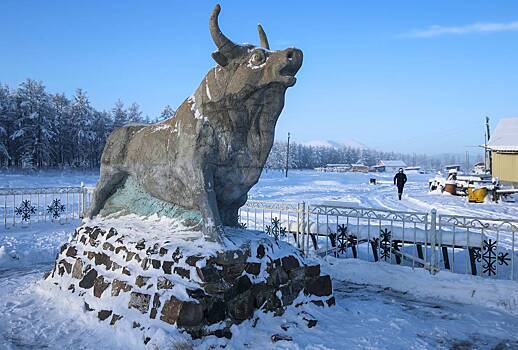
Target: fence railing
<point x="473" y="245"/>
<point x="478" y="246"/>
<point x="23" y="206"/>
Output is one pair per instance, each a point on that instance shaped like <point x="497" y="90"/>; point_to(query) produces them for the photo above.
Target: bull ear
<point x="220" y="58"/>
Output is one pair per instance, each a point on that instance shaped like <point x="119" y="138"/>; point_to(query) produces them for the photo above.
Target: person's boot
<point x="399" y="195"/>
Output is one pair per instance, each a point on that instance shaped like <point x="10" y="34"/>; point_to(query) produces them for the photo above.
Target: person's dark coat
<point x="400" y="180"/>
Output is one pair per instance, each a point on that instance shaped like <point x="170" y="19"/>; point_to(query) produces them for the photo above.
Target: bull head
<point x="260" y="65"/>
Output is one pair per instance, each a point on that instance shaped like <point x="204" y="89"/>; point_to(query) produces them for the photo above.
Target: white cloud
<point x="437" y="30"/>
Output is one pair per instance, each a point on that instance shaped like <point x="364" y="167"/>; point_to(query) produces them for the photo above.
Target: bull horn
<point x="222" y="42"/>
<point x="262" y="37"/>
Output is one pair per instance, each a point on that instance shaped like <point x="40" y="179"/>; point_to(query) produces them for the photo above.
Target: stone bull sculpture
<point x="212" y="151"/>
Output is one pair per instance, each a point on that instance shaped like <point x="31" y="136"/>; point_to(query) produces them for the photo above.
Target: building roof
<point x="505" y="136"/>
<point x="393" y="163"/>
<point x="336" y="165"/>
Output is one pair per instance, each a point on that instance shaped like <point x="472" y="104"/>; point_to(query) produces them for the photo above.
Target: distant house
<point x="337" y="168"/>
<point x="390" y="166"/>
<point x="359" y="168"/>
<point x="504" y="151"/>
<point x="413" y="169"/>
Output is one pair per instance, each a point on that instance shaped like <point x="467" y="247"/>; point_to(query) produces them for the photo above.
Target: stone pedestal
<point x="199" y="287"/>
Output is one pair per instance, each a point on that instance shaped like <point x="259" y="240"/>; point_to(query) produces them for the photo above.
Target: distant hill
<point x="336" y="144"/>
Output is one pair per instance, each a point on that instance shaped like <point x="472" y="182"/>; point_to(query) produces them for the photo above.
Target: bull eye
<point x="258" y="58"/>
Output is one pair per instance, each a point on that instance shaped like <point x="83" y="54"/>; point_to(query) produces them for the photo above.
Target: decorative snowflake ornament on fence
<point x="489" y="257"/>
<point x="56" y="208"/>
<point x="342" y="238"/>
<point x="275" y="229"/>
<point x="25" y="210"/>
<point x="385" y="237"/>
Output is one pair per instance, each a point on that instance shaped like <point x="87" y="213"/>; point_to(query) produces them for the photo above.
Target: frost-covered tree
<point x="6" y="125"/>
<point x="119" y="115"/>
<point x="81" y="114"/>
<point x="64" y="144"/>
<point x="134" y="114"/>
<point x="167" y="113"/>
<point x="34" y="125"/>
<point x="102" y="127"/>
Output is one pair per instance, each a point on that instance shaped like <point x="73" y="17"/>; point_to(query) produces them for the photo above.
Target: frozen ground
<point x="379" y="306"/>
<point x="312" y="186"/>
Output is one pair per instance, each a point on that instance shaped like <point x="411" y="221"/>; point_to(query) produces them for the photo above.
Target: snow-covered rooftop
<point x="393" y="163"/>
<point x="505" y="136"/>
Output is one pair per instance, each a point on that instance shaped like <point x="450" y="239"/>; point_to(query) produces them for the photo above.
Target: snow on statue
<point x="212" y="151"/>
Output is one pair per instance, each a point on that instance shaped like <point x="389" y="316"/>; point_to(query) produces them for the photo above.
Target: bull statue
<point x="212" y="151"/>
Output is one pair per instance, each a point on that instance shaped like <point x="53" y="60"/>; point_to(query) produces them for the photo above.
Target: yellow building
<point x="504" y="151"/>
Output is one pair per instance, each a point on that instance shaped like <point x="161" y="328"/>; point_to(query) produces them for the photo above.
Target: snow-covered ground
<point x="379" y="306"/>
<point x="312" y="186"/>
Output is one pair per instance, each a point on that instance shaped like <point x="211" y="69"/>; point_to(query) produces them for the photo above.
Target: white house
<point x="390" y="166"/>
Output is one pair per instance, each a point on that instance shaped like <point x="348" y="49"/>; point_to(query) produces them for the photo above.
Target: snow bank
<point x="452" y="287"/>
<point x="38" y="243"/>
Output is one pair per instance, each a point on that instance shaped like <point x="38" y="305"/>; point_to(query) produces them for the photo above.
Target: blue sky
<point x="408" y="76"/>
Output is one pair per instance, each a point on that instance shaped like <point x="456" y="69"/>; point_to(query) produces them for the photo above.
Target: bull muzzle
<point x="293" y="63"/>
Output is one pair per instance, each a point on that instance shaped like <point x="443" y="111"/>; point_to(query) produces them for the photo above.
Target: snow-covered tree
<point x="64" y="144"/>
<point x="6" y="124"/>
<point x="119" y="115"/>
<point x="81" y="115"/>
<point x="167" y="113"/>
<point x="102" y="127"/>
<point x="134" y="114"/>
<point x="34" y="125"/>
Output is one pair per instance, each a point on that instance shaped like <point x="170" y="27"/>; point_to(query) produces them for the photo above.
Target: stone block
<point x="88" y="280"/>
<point x="171" y="310"/>
<point x="104" y="314"/>
<point x="139" y="301"/>
<point x="184" y="273"/>
<point x="100" y="286"/>
<point x="118" y="286"/>
<point x="320" y="286"/>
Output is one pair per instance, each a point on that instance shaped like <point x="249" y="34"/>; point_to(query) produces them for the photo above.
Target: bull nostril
<point x="290" y="56"/>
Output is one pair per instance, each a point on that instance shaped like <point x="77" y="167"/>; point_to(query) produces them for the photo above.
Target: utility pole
<point x="287" y="154"/>
<point x="486" y="150"/>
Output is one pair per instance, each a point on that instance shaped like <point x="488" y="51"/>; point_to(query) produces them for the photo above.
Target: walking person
<point x="399" y="181"/>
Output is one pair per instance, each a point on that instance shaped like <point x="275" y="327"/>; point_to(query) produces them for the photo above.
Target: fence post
<point x="84" y="193"/>
<point x="433" y="242"/>
<point x="302" y="212"/>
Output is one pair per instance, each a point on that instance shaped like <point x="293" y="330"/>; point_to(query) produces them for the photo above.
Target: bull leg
<point x="104" y="189"/>
<point x="230" y="213"/>
<point x="212" y="225"/>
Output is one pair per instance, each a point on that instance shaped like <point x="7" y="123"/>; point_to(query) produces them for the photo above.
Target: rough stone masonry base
<point x="119" y="277"/>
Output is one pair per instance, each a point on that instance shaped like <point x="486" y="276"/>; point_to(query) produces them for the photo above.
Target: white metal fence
<point x="23" y="206"/>
<point x="480" y="246"/>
